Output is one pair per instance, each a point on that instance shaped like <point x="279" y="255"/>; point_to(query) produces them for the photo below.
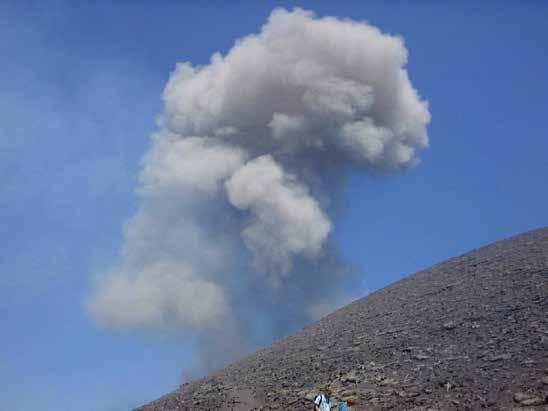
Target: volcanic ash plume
<point x="232" y="234"/>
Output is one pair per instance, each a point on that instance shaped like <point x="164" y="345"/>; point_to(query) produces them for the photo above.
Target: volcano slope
<point x="468" y="333"/>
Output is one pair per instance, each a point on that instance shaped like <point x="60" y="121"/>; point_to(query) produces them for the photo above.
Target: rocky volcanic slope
<point x="469" y="333"/>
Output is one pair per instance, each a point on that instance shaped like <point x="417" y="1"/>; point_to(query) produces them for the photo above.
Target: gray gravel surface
<point x="469" y="333"/>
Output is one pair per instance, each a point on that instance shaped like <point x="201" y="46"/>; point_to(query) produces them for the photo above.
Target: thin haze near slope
<point x="232" y="236"/>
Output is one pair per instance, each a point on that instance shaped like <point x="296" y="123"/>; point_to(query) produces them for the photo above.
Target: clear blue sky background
<point x="80" y="86"/>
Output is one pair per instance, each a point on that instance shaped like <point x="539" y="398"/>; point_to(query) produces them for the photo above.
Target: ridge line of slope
<point x="485" y="274"/>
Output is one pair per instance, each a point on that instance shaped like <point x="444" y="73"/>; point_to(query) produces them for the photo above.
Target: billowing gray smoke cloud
<point x="233" y="229"/>
<point x="285" y="220"/>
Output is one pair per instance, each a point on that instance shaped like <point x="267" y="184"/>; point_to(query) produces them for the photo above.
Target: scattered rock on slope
<point x="469" y="333"/>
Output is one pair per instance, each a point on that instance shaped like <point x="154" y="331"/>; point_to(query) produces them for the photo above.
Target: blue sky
<point x="79" y="93"/>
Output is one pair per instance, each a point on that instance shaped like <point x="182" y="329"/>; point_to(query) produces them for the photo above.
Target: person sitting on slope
<point x="343" y="405"/>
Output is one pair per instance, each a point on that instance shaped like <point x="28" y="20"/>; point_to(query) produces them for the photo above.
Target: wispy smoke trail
<point x="232" y="235"/>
